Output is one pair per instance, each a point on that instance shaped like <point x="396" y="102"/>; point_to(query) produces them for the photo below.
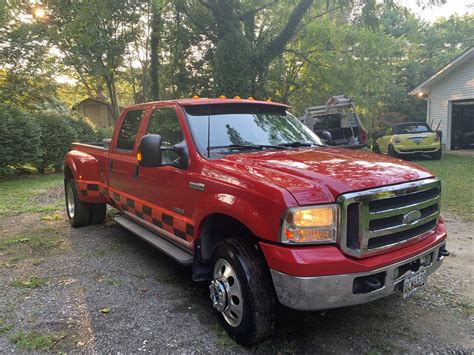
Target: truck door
<point x="163" y="194"/>
<point x="122" y="162"/>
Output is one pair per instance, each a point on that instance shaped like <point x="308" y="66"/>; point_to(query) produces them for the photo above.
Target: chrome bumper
<point x="327" y="292"/>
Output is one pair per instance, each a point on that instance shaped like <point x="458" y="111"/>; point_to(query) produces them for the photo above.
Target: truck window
<point x="129" y="129"/>
<point x="165" y="122"/>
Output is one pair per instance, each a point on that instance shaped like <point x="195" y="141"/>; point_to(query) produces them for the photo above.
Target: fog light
<point x="425" y="260"/>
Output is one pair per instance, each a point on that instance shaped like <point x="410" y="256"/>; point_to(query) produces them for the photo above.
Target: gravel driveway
<point x="100" y="288"/>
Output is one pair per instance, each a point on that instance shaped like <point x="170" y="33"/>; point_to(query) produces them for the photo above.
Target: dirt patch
<point x="56" y="292"/>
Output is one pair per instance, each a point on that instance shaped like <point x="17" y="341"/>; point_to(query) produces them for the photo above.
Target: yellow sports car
<point x="406" y="139"/>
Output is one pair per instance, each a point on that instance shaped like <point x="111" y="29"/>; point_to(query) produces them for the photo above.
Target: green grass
<point x="457" y="181"/>
<point x="21" y="194"/>
<point x="32" y="282"/>
<point x="35" y="340"/>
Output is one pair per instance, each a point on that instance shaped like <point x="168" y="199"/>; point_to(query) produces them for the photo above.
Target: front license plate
<point x="413" y="282"/>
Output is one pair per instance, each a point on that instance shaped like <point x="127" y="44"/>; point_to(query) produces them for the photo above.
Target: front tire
<point x="242" y="291"/>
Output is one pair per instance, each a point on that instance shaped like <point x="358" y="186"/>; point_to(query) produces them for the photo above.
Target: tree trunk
<point x="156" y="23"/>
<point x="114" y="108"/>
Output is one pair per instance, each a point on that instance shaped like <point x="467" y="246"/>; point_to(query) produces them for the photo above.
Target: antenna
<point x="209" y="128"/>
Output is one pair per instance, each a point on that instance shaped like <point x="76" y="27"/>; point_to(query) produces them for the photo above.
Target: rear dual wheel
<point x="82" y="214"/>
<point x="242" y="291"/>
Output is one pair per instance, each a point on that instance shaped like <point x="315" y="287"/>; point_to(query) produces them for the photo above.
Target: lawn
<point x="29" y="193"/>
<point x="457" y="179"/>
<point x="456" y="172"/>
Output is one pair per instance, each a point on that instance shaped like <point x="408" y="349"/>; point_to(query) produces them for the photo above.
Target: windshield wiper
<point x="296" y="144"/>
<point x="245" y="146"/>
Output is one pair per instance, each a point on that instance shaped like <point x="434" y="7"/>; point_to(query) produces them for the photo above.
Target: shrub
<point x="57" y="135"/>
<point x="83" y="129"/>
<point x="103" y="133"/>
<point x="20" y="139"/>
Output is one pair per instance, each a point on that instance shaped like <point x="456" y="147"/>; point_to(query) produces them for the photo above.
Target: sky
<point x="430" y="14"/>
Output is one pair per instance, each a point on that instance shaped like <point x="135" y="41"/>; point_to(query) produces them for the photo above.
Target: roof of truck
<point x="214" y="101"/>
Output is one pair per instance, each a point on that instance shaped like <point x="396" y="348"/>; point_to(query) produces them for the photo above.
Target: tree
<point x="93" y="38"/>
<point x="27" y="67"/>
<point x="244" y="47"/>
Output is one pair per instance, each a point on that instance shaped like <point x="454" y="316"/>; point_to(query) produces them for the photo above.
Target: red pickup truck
<point x="261" y="208"/>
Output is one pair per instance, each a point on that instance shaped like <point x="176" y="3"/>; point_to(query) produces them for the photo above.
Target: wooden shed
<point x="98" y="110"/>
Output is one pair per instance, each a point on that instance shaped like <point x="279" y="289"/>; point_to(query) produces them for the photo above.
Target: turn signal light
<point x="237" y="97"/>
<point x="250" y="98"/>
<point x="139" y="156"/>
<point x="195" y="97"/>
<point x="222" y="97"/>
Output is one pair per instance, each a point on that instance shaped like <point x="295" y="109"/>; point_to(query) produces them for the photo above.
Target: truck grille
<point x="377" y="220"/>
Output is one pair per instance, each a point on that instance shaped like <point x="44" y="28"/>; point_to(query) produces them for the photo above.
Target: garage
<point x="449" y="95"/>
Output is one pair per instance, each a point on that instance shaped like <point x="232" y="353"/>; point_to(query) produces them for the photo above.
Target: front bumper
<point x="333" y="291"/>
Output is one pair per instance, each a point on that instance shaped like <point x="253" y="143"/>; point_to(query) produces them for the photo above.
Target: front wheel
<point x="242" y="291"/>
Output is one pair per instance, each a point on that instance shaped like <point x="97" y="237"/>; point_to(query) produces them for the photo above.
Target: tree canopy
<point x="296" y="51"/>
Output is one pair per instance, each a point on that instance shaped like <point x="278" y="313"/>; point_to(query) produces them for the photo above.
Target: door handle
<point x="135" y="172"/>
<point x="111" y="164"/>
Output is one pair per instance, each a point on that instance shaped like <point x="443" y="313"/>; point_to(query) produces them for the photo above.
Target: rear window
<point x="411" y="128"/>
<point x="129" y="129"/>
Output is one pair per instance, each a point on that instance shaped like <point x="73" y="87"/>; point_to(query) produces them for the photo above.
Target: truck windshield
<point x="243" y="127"/>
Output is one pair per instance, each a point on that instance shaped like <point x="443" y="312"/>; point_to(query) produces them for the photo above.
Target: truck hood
<point x="318" y="175"/>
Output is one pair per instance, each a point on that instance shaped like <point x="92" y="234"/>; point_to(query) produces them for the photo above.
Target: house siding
<point x="457" y="85"/>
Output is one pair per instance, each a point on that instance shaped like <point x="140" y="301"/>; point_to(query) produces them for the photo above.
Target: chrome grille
<point x="377" y="220"/>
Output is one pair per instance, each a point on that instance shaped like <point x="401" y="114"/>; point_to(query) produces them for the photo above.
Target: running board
<point x="170" y="249"/>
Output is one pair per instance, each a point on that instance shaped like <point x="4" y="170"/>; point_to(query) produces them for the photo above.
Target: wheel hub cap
<point x="226" y="293"/>
<point x="218" y="294"/>
<point x="70" y="202"/>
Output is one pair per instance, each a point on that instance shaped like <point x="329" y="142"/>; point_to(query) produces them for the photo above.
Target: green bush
<point x="41" y="139"/>
<point x="20" y="139"/>
<point x="82" y="128"/>
<point x="103" y="133"/>
<point x="57" y="135"/>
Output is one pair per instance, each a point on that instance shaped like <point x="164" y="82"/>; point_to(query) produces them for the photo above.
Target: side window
<point x="164" y="122"/>
<point x="129" y="129"/>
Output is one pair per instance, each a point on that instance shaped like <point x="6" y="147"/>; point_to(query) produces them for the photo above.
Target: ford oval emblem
<point x="411" y="217"/>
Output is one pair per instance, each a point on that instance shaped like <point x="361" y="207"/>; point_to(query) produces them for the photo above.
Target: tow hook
<point x="443" y="252"/>
<point x="372" y="284"/>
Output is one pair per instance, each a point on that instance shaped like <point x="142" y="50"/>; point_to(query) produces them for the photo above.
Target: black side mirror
<point x="149" y="151"/>
<point x="326" y="137"/>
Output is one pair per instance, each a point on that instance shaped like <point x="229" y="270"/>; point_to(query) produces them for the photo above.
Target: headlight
<point x="396" y="139"/>
<point x="310" y="225"/>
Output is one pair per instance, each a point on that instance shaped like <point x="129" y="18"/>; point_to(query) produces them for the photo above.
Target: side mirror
<point x="149" y="151"/>
<point x="326" y="137"/>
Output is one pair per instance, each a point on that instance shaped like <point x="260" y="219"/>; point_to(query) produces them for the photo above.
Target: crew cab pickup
<point x="258" y="206"/>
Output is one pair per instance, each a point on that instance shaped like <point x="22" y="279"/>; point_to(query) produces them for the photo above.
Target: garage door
<point x="462" y="124"/>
